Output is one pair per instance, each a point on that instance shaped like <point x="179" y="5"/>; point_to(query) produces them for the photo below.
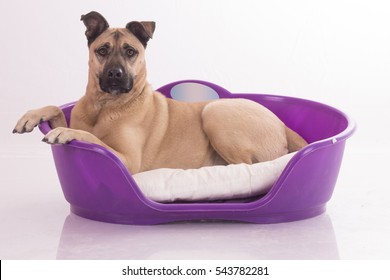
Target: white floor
<point x="36" y="222"/>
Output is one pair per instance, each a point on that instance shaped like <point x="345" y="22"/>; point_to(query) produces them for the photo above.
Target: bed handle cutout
<point x="193" y="92"/>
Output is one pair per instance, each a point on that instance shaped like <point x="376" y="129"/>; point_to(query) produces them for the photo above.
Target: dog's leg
<point x="295" y="141"/>
<point x="32" y="118"/>
<point x="63" y="135"/>
<point x="242" y="131"/>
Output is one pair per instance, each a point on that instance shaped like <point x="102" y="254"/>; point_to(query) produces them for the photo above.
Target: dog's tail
<point x="294" y="141"/>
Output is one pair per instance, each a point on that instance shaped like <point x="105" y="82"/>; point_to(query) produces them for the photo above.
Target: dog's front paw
<point x="63" y="135"/>
<point x="32" y="118"/>
<point x="28" y="121"/>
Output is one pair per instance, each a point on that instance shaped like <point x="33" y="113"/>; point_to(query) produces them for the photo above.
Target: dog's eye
<point x="102" y="51"/>
<point x="130" y="52"/>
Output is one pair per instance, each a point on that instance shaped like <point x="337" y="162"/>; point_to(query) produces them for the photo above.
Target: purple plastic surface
<point x="98" y="186"/>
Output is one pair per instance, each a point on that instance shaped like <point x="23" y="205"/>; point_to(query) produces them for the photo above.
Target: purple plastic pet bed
<point x="98" y="186"/>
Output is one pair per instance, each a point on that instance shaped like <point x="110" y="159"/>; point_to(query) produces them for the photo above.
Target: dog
<point x="146" y="130"/>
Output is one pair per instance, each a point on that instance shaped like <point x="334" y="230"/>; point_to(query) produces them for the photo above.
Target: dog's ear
<point x="143" y="30"/>
<point x="96" y="24"/>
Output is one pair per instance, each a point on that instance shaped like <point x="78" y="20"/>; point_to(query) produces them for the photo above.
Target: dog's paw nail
<point x="14" y="131"/>
<point x="45" y="140"/>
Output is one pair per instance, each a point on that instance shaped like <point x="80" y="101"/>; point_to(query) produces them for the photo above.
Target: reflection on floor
<point x="308" y="239"/>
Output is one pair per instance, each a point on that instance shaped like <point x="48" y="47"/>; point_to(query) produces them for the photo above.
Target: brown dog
<point x="121" y="112"/>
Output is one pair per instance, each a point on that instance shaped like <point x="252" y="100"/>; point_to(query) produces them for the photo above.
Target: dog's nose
<point x="115" y="79"/>
<point x="115" y="73"/>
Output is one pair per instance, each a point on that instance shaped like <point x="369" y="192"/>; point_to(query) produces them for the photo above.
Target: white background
<point x="335" y="52"/>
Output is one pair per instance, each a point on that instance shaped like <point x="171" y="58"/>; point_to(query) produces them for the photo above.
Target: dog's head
<point x="116" y="58"/>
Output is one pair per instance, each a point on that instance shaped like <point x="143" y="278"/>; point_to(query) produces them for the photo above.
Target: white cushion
<point x="212" y="182"/>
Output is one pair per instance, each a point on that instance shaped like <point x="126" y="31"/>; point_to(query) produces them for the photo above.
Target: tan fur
<point x="148" y="131"/>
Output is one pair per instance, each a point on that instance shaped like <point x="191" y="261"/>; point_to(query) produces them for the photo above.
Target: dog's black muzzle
<point x="115" y="80"/>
